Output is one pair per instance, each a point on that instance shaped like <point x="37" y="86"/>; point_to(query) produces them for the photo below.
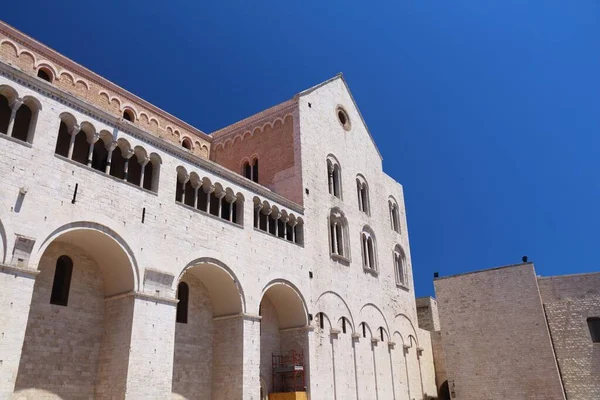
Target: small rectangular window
<point x="62" y="281"/>
<point x="594" y="325"/>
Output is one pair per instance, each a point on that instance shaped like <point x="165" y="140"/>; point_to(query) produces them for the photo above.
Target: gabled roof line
<point x="341" y="76"/>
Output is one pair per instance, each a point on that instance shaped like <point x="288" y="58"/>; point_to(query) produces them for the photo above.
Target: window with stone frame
<point x="338" y="235"/>
<point x="334" y="177"/>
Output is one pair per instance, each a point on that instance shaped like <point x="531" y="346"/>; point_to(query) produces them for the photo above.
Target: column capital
<point x="75" y="130"/>
<point x="128" y="154"/>
<point x="16" y="104"/>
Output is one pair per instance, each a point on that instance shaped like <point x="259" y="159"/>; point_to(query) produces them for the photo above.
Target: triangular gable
<point x="341" y="76"/>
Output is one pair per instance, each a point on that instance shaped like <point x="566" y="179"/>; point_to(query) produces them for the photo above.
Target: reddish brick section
<point x="273" y="145"/>
<point x="569" y="301"/>
<point x="495" y="337"/>
<point x="29" y="56"/>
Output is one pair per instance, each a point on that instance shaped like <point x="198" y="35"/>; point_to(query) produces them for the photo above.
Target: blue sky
<point x="488" y="112"/>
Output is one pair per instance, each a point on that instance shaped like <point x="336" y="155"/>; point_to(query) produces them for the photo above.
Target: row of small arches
<point x="238" y="138"/>
<point x="364" y="330"/>
<point x="212" y="198"/>
<point x="100" y="151"/>
<point x="47" y="71"/>
<point x="278" y="222"/>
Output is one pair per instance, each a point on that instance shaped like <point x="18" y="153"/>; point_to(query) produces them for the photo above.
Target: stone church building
<point x="142" y="258"/>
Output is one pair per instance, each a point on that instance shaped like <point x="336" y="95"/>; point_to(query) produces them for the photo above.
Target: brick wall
<point x="273" y="145"/>
<point x="569" y="301"/>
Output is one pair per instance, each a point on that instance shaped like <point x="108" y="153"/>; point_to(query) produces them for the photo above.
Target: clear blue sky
<point x="488" y="112"/>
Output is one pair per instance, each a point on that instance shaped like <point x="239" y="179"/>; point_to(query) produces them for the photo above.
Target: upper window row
<point x="82" y="144"/>
<point x="334" y="181"/>
<point x="340" y="247"/>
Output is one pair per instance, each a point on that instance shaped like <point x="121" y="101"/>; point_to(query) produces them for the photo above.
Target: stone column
<point x="335" y="240"/>
<point x="13" y="113"/>
<point x="112" y="148"/>
<point x="276" y="216"/>
<point x="137" y="348"/>
<point x="196" y="189"/>
<point x="251" y="357"/>
<point x="144" y="163"/>
<point x="220" y="196"/>
<point x="231" y="209"/>
<point x="258" y="208"/>
<point x="91" y="150"/>
<point x="128" y="156"/>
<point x="17" y="290"/>
<point x="74" y="131"/>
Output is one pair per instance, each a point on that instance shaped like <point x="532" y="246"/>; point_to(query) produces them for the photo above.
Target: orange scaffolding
<point x="288" y="372"/>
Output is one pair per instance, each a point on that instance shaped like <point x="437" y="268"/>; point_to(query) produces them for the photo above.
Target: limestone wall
<point x="568" y="301"/>
<point x="495" y="336"/>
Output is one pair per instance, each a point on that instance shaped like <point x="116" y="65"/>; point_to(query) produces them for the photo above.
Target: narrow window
<point x="272" y="224"/>
<point x="214" y="204"/>
<point x="321" y="320"/>
<point x="247" y="170"/>
<point x="183" y="295"/>
<point x="128" y="115"/>
<point x="22" y="123"/>
<point x="255" y="170"/>
<point x="189" y="195"/>
<point x="186" y="144"/>
<point x="5" y="112"/>
<point x="371" y="253"/>
<point x="381" y="333"/>
<point x="99" y="156"/>
<point x="364" y="329"/>
<point x="179" y="190"/>
<point x="340" y="239"/>
<point x="148" y="171"/>
<point x="62" y="281"/>
<point x="333" y="238"/>
<point x="43" y="74"/>
<point x="202" y="199"/>
<point x="330" y="176"/>
<point x="336" y="181"/>
<point x="364" y="250"/>
<point x="64" y="140"/>
<point x="344" y="325"/>
<point x="594" y="325"/>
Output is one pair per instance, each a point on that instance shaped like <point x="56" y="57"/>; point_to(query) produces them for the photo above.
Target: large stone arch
<point x="94" y="237"/>
<point x="405" y="329"/>
<point x="284" y="334"/>
<point x="223" y="285"/>
<point x="208" y="351"/>
<point x="373" y="355"/>
<point x="89" y="330"/>
<point x="335" y="367"/>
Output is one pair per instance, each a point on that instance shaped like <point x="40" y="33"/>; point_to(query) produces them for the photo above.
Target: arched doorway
<point x="77" y="338"/>
<point x="208" y="356"/>
<point x="283" y="338"/>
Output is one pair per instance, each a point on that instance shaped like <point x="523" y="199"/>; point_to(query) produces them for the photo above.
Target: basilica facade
<point x="142" y="258"/>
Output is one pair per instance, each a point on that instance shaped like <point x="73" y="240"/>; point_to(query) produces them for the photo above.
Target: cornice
<point x="65" y="62"/>
<point x="58" y="95"/>
<point x="259" y="119"/>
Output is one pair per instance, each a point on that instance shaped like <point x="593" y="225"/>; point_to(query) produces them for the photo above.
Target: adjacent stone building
<point x="141" y="258"/>
<point x="506" y="333"/>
